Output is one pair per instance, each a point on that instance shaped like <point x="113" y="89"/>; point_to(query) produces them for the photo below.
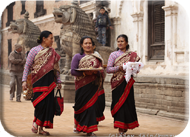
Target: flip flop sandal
<point x="34" y="129"/>
<point x="121" y="134"/>
<point x="44" y="133"/>
<point x="91" y="134"/>
<point x="75" y="131"/>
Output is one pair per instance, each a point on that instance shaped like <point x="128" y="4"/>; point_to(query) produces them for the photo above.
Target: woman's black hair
<point x="81" y="42"/>
<point x="102" y="8"/>
<point x="126" y="39"/>
<point x="43" y="34"/>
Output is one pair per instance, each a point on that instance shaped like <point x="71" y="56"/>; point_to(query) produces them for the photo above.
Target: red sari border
<point x="44" y="94"/>
<point x="88" y="104"/>
<point x="118" y="124"/>
<point x="46" y="124"/>
<point x="85" y="128"/>
<point x="40" y="89"/>
<point x="100" y="118"/>
<point x="123" y="97"/>
<point x="100" y="92"/>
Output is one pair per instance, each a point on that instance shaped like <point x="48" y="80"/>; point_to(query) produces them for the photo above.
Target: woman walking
<point x="45" y="75"/>
<point x="87" y="85"/>
<point x="123" y="104"/>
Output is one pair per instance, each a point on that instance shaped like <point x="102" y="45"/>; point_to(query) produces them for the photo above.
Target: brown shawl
<point x="45" y="61"/>
<point x="88" y="61"/>
<point x="118" y="76"/>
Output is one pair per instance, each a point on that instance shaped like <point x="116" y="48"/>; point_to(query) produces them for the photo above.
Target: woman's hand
<point x="24" y="86"/>
<point x="121" y="68"/>
<point x="59" y="86"/>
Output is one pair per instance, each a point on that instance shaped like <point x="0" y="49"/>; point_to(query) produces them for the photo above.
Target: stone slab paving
<point x="17" y="119"/>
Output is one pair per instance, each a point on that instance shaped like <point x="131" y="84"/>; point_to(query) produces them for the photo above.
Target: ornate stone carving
<point x="76" y="24"/>
<point x="28" y="32"/>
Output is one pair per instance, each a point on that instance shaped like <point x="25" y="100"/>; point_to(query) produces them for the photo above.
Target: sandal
<point x="91" y="134"/>
<point x="121" y="134"/>
<point x="45" y="133"/>
<point x="75" y="130"/>
<point x="34" y="129"/>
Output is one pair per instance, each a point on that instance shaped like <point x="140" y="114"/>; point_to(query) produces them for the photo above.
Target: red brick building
<point x="40" y="13"/>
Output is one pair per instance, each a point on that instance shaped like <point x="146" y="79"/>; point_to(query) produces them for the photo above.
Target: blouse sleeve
<point x="74" y="66"/>
<point x="111" y="60"/>
<point x="29" y="62"/>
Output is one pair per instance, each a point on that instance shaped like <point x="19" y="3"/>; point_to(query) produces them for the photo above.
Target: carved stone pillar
<point x="138" y="23"/>
<point x="116" y="31"/>
<point x="94" y="15"/>
<point x="171" y="34"/>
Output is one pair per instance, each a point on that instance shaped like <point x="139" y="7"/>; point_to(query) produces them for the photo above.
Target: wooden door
<point x="156" y="30"/>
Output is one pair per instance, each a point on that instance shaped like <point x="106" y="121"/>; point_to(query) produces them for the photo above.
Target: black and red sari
<point x="123" y="104"/>
<point x="86" y="110"/>
<point x="43" y="80"/>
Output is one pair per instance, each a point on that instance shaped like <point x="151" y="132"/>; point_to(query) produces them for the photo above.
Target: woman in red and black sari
<point x="87" y="85"/>
<point x="43" y="61"/>
<point x="123" y="104"/>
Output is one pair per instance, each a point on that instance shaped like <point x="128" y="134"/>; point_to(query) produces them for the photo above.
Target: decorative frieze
<point x="170" y="10"/>
<point x="117" y="21"/>
<point x="137" y="16"/>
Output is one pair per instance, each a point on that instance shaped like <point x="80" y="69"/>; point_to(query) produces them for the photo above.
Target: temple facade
<point x="157" y="31"/>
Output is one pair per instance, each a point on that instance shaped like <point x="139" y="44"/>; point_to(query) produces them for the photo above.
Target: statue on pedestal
<point x="28" y="32"/>
<point x="76" y="24"/>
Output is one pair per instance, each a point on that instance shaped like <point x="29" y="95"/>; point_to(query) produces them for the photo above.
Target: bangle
<point x="84" y="74"/>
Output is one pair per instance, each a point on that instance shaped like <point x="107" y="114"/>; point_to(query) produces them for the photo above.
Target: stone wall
<point x="164" y="96"/>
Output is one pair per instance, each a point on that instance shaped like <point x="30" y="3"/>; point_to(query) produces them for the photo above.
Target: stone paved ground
<point x="17" y="120"/>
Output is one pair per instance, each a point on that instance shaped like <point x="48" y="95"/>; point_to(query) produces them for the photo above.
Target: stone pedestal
<point x="68" y="88"/>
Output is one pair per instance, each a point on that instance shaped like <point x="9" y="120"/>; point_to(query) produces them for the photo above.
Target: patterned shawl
<point x="45" y="61"/>
<point x="118" y="76"/>
<point x="88" y="61"/>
